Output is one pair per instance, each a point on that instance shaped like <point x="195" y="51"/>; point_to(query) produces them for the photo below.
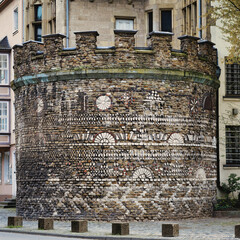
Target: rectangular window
<point x="15" y="16"/>
<point x="4" y="71"/>
<point x="1" y="168"/>
<point x="190" y="18"/>
<point x="232" y="144"/>
<point x="150" y="22"/>
<point x="4" y="117"/>
<point x="166" y="20"/>
<point x="232" y="79"/>
<point x="7" y="169"/>
<point x="184" y="20"/>
<point x="124" y="24"/>
<point x="38" y="32"/>
<point x="38" y="23"/>
<point x="38" y="13"/>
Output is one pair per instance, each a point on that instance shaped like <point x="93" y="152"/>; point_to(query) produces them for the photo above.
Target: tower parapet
<point x="34" y="57"/>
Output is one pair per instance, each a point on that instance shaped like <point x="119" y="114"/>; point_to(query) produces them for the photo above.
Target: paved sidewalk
<point x="201" y="229"/>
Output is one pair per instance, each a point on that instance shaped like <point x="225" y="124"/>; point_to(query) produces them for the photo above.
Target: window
<point x="4" y="116"/>
<point x="15" y="16"/>
<point x="38" y="32"/>
<point x="150" y="22"/>
<point x="124" y="24"/>
<point x="38" y="12"/>
<point x="7" y="169"/>
<point x="232" y="79"/>
<point x="38" y="23"/>
<point x="166" y="20"/>
<point x="233" y="144"/>
<point x="190" y="18"/>
<point x="0" y="168"/>
<point x="4" y="78"/>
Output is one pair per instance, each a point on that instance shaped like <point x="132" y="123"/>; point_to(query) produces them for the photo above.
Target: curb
<point x="81" y="236"/>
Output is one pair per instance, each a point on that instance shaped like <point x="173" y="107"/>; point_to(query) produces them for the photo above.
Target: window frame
<point x="190" y="18"/>
<point x="15" y="20"/>
<point x="37" y="24"/>
<point x="232" y="83"/>
<point x="1" y="168"/>
<point x="36" y="27"/>
<point x="160" y="20"/>
<point x="232" y="147"/>
<point x="149" y="21"/>
<point x="5" y="69"/>
<point x="7" y="118"/>
<point x="36" y="6"/>
<point x="124" y="19"/>
<point x="7" y="168"/>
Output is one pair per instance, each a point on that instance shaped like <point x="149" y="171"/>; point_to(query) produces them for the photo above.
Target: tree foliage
<point x="228" y="13"/>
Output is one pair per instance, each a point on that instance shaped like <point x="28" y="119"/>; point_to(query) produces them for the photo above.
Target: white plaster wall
<point x="225" y="104"/>
<point x="14" y="37"/>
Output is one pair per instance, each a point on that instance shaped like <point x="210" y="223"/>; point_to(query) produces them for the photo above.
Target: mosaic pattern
<point x="104" y="137"/>
<point x="103" y="102"/>
<point x="140" y="152"/>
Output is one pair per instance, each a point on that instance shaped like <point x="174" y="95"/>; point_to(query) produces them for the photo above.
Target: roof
<point x="4" y="44"/>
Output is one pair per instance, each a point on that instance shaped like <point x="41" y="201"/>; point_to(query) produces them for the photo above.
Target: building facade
<point x="229" y="107"/>
<point x="177" y="16"/>
<point x="11" y="34"/>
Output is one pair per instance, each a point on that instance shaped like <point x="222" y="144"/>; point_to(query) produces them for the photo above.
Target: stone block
<point x="15" y="221"/>
<point x="120" y="228"/>
<point x="79" y="226"/>
<point x="45" y="223"/>
<point x="237" y="231"/>
<point x="170" y="230"/>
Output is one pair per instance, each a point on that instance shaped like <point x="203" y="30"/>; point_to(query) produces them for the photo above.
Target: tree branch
<point x="238" y="8"/>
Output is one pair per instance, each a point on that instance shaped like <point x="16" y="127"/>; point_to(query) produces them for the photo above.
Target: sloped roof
<point x="4" y="44"/>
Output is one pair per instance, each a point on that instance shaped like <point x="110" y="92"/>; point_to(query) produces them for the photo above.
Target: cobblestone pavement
<point x="207" y="228"/>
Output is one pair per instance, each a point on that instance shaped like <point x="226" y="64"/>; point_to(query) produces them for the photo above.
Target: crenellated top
<point x="33" y="57"/>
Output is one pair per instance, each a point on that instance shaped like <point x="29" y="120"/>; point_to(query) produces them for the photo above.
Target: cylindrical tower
<point x="122" y="133"/>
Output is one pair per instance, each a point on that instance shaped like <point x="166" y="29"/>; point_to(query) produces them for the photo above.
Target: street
<point x="20" y="236"/>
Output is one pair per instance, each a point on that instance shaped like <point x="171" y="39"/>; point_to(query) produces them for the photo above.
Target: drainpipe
<point x="200" y="18"/>
<point x="67" y="23"/>
<point x="217" y="132"/>
<point x="217" y="136"/>
<point x="23" y="27"/>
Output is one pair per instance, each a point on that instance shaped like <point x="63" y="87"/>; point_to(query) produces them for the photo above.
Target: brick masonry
<point x="118" y="133"/>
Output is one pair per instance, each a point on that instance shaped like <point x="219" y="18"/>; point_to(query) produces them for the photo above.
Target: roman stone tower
<point x="116" y="133"/>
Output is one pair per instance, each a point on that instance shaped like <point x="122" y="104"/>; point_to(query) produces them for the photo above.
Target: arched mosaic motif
<point x="142" y="174"/>
<point x="176" y="138"/>
<point x="104" y="137"/>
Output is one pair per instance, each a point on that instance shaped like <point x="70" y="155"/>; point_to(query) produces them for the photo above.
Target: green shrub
<point x="232" y="185"/>
<point x="226" y="204"/>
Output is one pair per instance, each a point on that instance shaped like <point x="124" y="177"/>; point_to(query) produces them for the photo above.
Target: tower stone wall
<point x="118" y="133"/>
